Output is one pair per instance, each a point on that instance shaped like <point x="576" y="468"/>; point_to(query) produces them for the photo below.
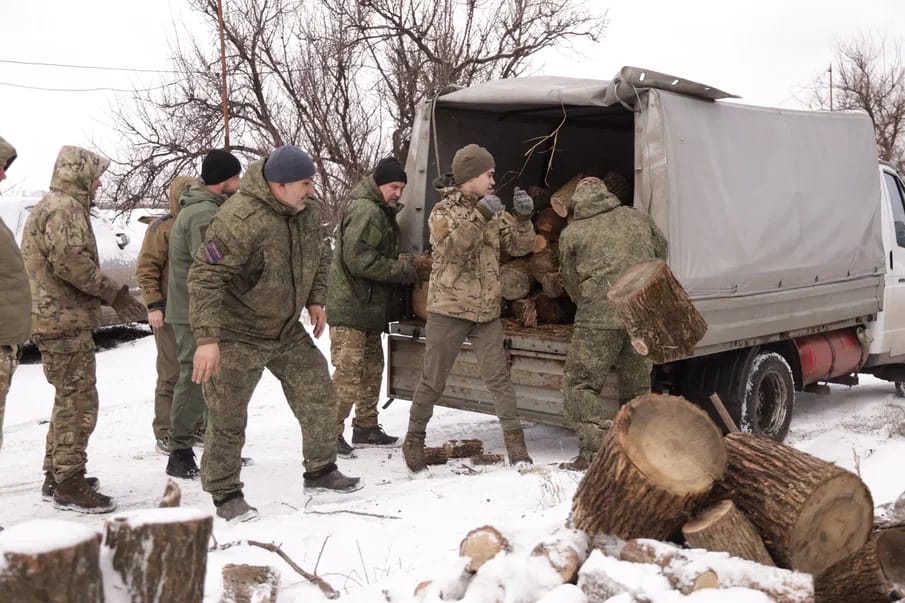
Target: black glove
<point x="522" y="202"/>
<point x="128" y="308"/>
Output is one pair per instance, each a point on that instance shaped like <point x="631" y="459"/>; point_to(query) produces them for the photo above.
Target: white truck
<point x="782" y="228"/>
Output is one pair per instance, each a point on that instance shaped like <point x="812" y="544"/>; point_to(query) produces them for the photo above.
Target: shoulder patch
<point x="211" y="252"/>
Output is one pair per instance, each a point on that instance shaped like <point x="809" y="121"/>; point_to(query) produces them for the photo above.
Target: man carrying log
<point x="467" y="231"/>
<point x="602" y="241"/>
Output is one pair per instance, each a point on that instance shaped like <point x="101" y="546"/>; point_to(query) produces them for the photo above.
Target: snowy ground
<point x="397" y="531"/>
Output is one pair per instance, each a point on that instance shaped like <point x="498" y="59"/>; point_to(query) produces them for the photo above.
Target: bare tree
<point x="869" y="75"/>
<point x="341" y="78"/>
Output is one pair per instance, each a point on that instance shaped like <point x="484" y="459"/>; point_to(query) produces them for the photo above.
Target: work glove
<point x="490" y="205"/>
<point x="522" y="203"/>
<point x="127" y="307"/>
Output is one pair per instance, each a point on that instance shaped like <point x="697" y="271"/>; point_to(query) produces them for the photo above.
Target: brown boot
<point x="515" y="447"/>
<point x="76" y="494"/>
<point x="413" y="451"/>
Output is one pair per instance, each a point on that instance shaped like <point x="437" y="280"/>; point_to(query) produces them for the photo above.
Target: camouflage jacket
<point x="153" y="267"/>
<point x="15" y="298"/>
<point x="261" y="262"/>
<point x="465" y="278"/>
<point x="198" y="204"/>
<point x="60" y="252"/>
<point x="603" y="239"/>
<point x="361" y="291"/>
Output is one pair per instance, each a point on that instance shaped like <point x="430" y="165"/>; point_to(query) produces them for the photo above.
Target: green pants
<point x="358" y="358"/>
<point x="167" y="375"/>
<point x="9" y="359"/>
<point x="71" y="368"/>
<point x="302" y="371"/>
<point x="443" y="341"/>
<point x="188" y="400"/>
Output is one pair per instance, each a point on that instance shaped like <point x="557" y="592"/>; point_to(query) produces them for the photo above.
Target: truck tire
<point x="768" y="397"/>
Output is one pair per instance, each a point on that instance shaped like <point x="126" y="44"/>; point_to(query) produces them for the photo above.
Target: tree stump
<point x="658" y="315"/>
<point x="515" y="279"/>
<point x="874" y="574"/>
<point x="655" y="468"/>
<point x="160" y="555"/>
<point x="561" y="201"/>
<point x="810" y="513"/>
<point x="525" y="311"/>
<point x="723" y="527"/>
<point x="460" y="449"/>
<point x="50" y="560"/>
<point x="481" y="545"/>
<point x="250" y="584"/>
<point x="549" y="224"/>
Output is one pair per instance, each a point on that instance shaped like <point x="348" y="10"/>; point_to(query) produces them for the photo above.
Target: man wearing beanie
<point x="261" y="263"/>
<point x="364" y="280"/>
<point x="198" y="202"/>
<point x="468" y="228"/>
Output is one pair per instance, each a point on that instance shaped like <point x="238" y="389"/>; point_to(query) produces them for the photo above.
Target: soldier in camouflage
<point x="363" y="284"/>
<point x="15" y="298"/>
<point x="603" y="239"/>
<point x="263" y="260"/>
<point x="467" y="231"/>
<point x="151" y="272"/>
<point x="67" y="290"/>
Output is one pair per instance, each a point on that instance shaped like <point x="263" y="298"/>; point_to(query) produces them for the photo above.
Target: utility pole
<point x="831" y="86"/>
<point x="224" y="91"/>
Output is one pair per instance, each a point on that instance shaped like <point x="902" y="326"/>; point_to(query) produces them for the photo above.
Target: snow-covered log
<point x="481" y="545"/>
<point x="565" y="551"/>
<point x="250" y="583"/>
<point x="159" y="555"/>
<point x="50" y="560"/>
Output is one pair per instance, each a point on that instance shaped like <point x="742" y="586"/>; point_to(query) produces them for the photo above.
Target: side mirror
<point x="122" y="239"/>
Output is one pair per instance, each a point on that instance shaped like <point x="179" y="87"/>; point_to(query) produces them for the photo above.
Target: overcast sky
<point x="767" y="51"/>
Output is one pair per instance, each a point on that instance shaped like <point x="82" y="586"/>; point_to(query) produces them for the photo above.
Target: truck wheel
<point x="768" y="397"/>
<point x="900" y="389"/>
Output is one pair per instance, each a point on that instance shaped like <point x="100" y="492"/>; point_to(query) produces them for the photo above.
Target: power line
<point x="94" y="67"/>
<point x="102" y="89"/>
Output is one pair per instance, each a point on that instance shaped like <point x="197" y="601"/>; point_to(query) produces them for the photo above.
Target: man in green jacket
<point x="364" y="278"/>
<point x="15" y="297"/>
<point x="603" y="239"/>
<point x="198" y="203"/>
<point x="263" y="261"/>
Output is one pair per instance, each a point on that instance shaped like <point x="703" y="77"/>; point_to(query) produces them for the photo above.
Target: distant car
<point x="117" y="244"/>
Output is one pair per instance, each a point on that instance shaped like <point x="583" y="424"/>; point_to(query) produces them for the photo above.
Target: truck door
<point x="894" y="303"/>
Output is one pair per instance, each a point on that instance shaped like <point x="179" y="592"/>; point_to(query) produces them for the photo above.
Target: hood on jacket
<point x="591" y="198"/>
<point x="74" y="171"/>
<point x="179" y="184"/>
<point x="7" y="153"/>
<point x="196" y="191"/>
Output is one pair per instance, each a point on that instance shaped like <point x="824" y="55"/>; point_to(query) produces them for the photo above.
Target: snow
<point x="397" y="531"/>
<point x="152" y="516"/>
<point x="42" y="535"/>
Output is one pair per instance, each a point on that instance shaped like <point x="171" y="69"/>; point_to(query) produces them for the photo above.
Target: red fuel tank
<point x="829" y="355"/>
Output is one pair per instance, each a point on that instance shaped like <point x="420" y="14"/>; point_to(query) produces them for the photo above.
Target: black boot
<point x="182" y="464"/>
<point x="374" y="436"/>
<point x="343" y="449"/>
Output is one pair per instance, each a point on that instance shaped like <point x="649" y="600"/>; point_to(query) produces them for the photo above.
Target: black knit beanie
<point x="389" y="170"/>
<point x="219" y="166"/>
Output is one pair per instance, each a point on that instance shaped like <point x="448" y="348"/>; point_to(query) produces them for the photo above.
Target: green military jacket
<point x="363" y="283"/>
<point x="261" y="262"/>
<point x="15" y="297"/>
<point x="603" y="239"/>
<point x="197" y="206"/>
<point x="60" y="251"/>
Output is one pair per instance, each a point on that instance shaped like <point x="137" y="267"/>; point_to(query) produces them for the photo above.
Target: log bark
<point x="65" y="569"/>
<point x="435" y="455"/>
<point x="515" y="278"/>
<point x="873" y="574"/>
<point x="658" y="315"/>
<point x="161" y="554"/>
<point x="460" y="449"/>
<point x="486" y="459"/>
<point x="553" y="311"/>
<point x="561" y="201"/>
<point x="682" y="567"/>
<point x="549" y="224"/>
<point x="552" y="284"/>
<point x="525" y="311"/>
<point x="250" y="584"/>
<point x="723" y="527"/>
<point x="655" y="468"/>
<point x="481" y="545"/>
<point x="810" y="513"/>
<point x="544" y="262"/>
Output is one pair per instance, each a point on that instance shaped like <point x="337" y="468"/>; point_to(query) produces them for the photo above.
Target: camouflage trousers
<point x="167" y="374"/>
<point x="302" y="371"/>
<point x="443" y="341"/>
<point x="9" y="359"/>
<point x="70" y="367"/>
<point x="188" y="408"/>
<point x="358" y="358"/>
<point x="591" y="399"/>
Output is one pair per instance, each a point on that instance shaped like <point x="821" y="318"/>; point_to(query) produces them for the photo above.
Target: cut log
<point x="540" y="243"/>
<point x="552" y="284"/>
<point x="658" y="315"/>
<point x="481" y="545"/>
<point x="515" y="278"/>
<point x="525" y="311"/>
<point x="172" y="495"/>
<point x="565" y="551"/>
<point x="50" y="560"/>
<point x="435" y="455"/>
<point x="810" y="513"/>
<point x="601" y="578"/>
<point x="553" y="311"/>
<point x="549" y="224"/>
<point x="683" y="567"/>
<point x="874" y="574"/>
<point x="655" y="468"/>
<point x="486" y="459"/>
<point x="561" y="201"/>
<point x="723" y="527"/>
<point x="460" y="449"/>
<point x="544" y="261"/>
<point x="160" y="555"/>
<point x="250" y="583"/>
